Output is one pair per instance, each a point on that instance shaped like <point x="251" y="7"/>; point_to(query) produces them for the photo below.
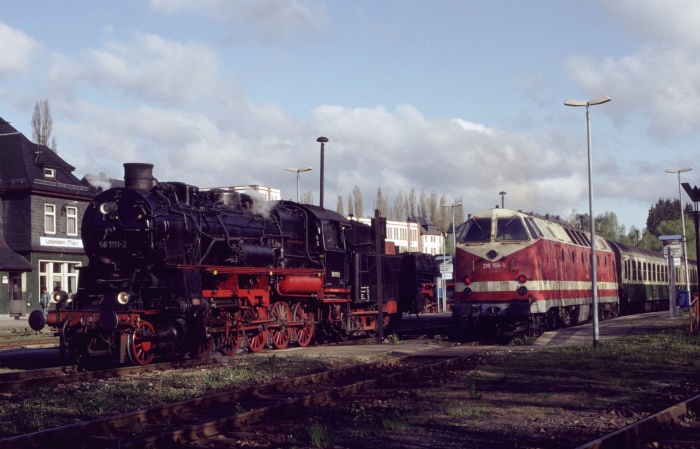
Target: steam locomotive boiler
<point x="175" y="270"/>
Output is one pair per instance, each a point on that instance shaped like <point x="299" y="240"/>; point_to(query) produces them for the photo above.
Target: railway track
<point x="197" y="421"/>
<point x="675" y="427"/>
<point x="15" y="380"/>
<point x="24" y="342"/>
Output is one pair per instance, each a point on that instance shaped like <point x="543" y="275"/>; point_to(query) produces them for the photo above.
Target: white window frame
<point x="49" y="172"/>
<point x="50" y="218"/>
<point x="71" y="220"/>
<point x="54" y="273"/>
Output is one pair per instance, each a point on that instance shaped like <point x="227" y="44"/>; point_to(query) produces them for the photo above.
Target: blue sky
<point x="464" y="98"/>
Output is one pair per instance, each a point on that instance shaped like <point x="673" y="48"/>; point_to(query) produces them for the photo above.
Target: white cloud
<point x="675" y="21"/>
<point x="658" y="83"/>
<point x="18" y="51"/>
<point x="148" y="68"/>
<point x="267" y="20"/>
<point x="398" y="150"/>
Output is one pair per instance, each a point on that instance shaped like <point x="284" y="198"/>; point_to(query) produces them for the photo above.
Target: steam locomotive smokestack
<point x="138" y="176"/>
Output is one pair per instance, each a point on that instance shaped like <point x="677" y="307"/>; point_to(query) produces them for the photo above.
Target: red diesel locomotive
<point x="521" y="274"/>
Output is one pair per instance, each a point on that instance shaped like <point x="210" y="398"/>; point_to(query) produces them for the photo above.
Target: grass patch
<point x="464" y="411"/>
<point x="39" y="408"/>
<point x="609" y="371"/>
<point x="320" y="436"/>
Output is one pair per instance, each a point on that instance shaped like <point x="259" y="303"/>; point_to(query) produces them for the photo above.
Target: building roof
<point x="10" y="260"/>
<point x="23" y="164"/>
<point x="427" y="226"/>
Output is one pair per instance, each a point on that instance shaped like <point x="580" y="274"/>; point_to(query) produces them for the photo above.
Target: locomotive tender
<point x="176" y="270"/>
<point x="520" y="274"/>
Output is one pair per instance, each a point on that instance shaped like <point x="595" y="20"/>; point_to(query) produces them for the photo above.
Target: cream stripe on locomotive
<point x="539" y="286"/>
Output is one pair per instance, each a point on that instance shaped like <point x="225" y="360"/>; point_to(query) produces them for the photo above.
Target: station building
<point x="416" y="235"/>
<point x="41" y="207"/>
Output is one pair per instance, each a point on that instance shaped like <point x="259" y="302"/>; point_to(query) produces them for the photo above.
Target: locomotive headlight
<point x="59" y="297"/>
<point x="123" y="298"/>
<point x="522" y="279"/>
<point x="108" y="208"/>
<point x="522" y="291"/>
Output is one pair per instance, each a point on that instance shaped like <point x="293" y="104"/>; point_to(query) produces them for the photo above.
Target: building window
<point x="49" y="172"/>
<point x="50" y="218"/>
<point x="58" y="275"/>
<point x="72" y="220"/>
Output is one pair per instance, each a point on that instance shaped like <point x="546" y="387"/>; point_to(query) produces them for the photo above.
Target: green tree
<point x="665" y="210"/>
<point x="607" y="227"/>
<point x="42" y="124"/>
<point x="357" y="201"/>
<point x="399" y="207"/>
<point x="675" y="227"/>
<point x="307" y="198"/>
<point x="339" y="208"/>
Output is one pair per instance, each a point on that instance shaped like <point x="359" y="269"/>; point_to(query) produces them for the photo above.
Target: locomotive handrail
<point x="254" y="270"/>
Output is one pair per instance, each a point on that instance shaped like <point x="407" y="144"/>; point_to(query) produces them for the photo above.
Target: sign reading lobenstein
<point x="61" y="242"/>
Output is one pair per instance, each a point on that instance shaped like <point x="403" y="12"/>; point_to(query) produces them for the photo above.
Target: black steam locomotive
<point x="175" y="270"/>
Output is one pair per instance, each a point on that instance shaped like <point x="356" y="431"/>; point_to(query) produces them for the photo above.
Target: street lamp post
<point x="694" y="194"/>
<point x="503" y="194"/>
<point x="443" y="288"/>
<point x="594" y="286"/>
<point x="454" y="233"/>
<point x="322" y="140"/>
<point x="297" y="171"/>
<point x="685" y="247"/>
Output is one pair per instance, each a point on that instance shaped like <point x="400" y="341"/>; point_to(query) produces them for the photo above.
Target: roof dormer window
<point x="49" y="173"/>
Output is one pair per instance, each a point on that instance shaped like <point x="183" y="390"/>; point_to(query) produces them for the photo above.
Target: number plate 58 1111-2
<point x="113" y="244"/>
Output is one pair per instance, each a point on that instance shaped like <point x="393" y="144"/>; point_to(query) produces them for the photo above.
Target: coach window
<point x="50" y="218"/>
<point x="508" y="229"/>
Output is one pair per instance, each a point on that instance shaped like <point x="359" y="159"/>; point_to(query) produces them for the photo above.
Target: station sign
<point x="672" y="246"/>
<point x="446" y="270"/>
<point x="673" y="250"/>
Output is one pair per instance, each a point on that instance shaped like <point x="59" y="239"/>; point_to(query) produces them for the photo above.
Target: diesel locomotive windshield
<point x="510" y="229"/>
<point x="477" y="230"/>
